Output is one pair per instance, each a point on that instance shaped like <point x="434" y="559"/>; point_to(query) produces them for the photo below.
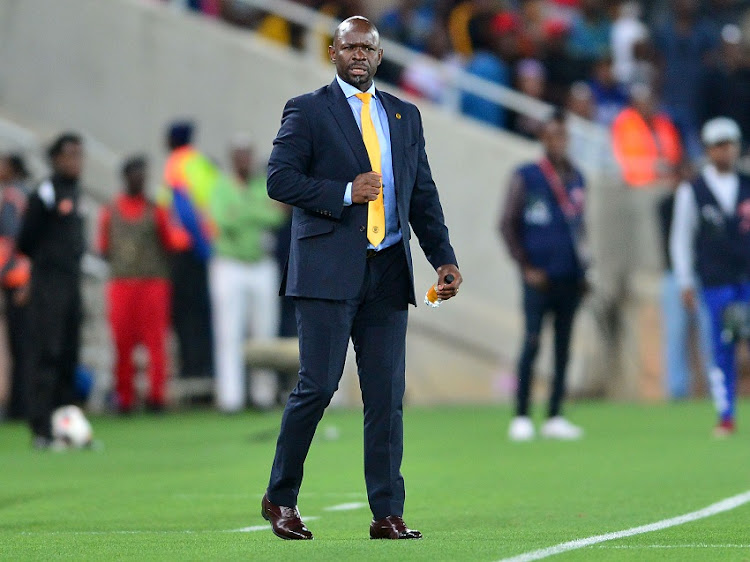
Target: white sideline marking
<point x="713" y="509"/>
<point x="250" y="529"/>
<point x="644" y="546"/>
<point x="266" y="527"/>
<point x="240" y="496"/>
<point x="346" y="506"/>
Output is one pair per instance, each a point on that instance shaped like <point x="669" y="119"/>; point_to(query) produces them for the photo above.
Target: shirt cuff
<point x="348" y="195"/>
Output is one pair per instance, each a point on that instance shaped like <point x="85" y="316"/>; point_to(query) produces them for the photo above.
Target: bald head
<point x="356" y="52"/>
<point x="360" y="23"/>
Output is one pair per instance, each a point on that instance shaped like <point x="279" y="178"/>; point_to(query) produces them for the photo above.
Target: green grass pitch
<point x="173" y="488"/>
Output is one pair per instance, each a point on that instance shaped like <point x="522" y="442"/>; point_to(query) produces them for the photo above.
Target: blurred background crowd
<point x="586" y="55"/>
<point x="650" y="73"/>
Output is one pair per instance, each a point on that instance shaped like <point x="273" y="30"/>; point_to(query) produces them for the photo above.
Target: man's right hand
<point x="688" y="299"/>
<point x="366" y="187"/>
<point x="535" y="277"/>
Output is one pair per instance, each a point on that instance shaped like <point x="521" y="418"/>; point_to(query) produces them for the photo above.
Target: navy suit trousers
<point x="376" y="323"/>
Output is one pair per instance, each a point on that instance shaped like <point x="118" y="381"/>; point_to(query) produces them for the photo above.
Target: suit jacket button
<point x="362" y="228"/>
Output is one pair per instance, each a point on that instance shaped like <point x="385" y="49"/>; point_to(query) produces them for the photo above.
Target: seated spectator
<point x="724" y="12"/>
<point x="533" y="17"/>
<point x="581" y="101"/>
<point x="239" y="13"/>
<point x="609" y="95"/>
<point x="627" y="31"/>
<point x="562" y="69"/>
<point x="495" y="45"/>
<point x="684" y="43"/>
<point x="725" y="89"/>
<point x="563" y="9"/>
<point x="589" y="35"/>
<point x="459" y="23"/>
<point x="645" y="67"/>
<point x="276" y="29"/>
<point x="530" y="80"/>
<point x="426" y="79"/>
<point x="410" y="22"/>
<point x="645" y="141"/>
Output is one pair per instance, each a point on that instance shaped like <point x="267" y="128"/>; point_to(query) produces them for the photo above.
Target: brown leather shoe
<point x="392" y="527"/>
<point x="285" y="521"/>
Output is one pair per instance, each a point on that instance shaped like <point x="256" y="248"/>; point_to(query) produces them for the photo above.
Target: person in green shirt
<point x="244" y="278"/>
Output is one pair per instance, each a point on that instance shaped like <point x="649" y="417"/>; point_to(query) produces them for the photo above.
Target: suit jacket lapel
<point x="342" y="112"/>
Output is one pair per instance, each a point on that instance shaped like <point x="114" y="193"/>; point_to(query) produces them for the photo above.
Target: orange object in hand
<point x="431" y="298"/>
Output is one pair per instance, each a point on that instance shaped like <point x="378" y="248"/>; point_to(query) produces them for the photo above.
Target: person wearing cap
<point x="189" y="181"/>
<point x="136" y="237"/>
<point x="243" y="277"/>
<point x="710" y="250"/>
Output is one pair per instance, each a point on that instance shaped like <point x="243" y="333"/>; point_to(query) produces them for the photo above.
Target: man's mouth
<point x="358" y="70"/>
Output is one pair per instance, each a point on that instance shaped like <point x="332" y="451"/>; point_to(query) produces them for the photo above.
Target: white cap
<point x="731" y="34"/>
<point x="720" y="129"/>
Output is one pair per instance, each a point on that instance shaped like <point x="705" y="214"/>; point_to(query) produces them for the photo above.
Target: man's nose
<point x="359" y="54"/>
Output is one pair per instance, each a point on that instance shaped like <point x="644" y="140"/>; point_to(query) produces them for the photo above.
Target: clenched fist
<point x="366" y="187"/>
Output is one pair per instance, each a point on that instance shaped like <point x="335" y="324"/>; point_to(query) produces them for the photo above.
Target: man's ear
<point x="332" y="54"/>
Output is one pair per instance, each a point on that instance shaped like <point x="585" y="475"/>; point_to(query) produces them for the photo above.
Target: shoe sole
<point x="389" y="539"/>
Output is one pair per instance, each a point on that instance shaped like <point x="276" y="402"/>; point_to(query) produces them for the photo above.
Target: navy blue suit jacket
<point x="318" y="150"/>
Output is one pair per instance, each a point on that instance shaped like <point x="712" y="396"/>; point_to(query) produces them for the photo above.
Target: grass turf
<point x="170" y="488"/>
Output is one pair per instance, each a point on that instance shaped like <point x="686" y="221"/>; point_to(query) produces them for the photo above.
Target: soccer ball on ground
<point x="71" y="427"/>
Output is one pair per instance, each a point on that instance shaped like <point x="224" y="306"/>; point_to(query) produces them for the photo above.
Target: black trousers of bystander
<point x="561" y="298"/>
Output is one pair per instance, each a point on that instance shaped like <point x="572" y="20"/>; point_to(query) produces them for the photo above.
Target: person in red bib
<point x="135" y="236"/>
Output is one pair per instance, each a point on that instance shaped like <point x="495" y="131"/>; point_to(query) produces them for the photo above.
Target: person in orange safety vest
<point x="646" y="143"/>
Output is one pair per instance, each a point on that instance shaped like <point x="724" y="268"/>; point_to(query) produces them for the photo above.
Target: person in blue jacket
<point x="543" y="227"/>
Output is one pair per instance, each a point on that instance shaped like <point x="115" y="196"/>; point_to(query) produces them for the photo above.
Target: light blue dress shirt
<point x="379" y="117"/>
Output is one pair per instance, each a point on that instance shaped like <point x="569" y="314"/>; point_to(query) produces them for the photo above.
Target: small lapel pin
<point x="398" y="116"/>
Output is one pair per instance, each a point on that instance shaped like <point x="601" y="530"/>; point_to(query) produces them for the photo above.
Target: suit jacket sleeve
<point x="290" y="164"/>
<point x="426" y="214"/>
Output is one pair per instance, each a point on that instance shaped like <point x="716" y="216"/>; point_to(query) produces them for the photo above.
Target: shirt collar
<point x="711" y="172"/>
<point x="350" y="90"/>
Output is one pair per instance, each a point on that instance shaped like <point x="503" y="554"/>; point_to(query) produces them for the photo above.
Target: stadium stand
<point x="237" y="80"/>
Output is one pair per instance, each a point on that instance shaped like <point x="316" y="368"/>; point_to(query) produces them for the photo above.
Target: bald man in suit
<point x="350" y="159"/>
